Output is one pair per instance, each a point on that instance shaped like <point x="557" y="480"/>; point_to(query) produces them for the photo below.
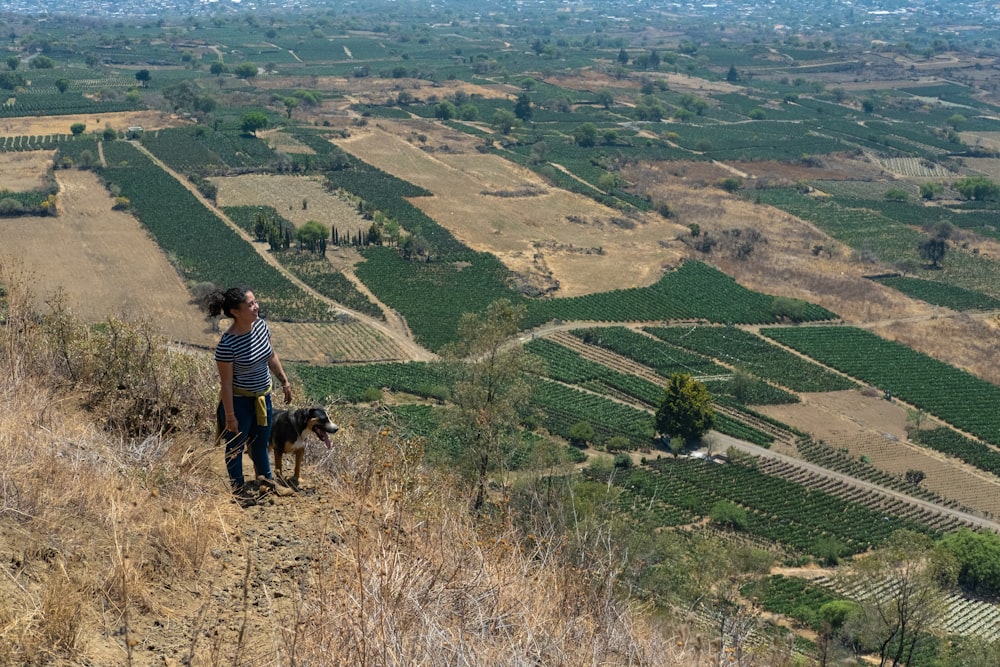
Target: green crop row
<point x="665" y="359"/>
<point x="205" y="248"/>
<point x="777" y="509"/>
<point x="354" y="383"/>
<point x="200" y="149"/>
<point x="755" y="355"/>
<point x="955" y="396"/>
<point x="58" y="104"/>
<point x="955" y="444"/>
<point x="940" y="294"/>
<point x="562" y="407"/>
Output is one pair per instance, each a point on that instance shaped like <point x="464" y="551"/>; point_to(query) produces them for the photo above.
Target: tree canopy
<point x="685" y="410"/>
<point x="978" y="556"/>
<point x="254" y="121"/>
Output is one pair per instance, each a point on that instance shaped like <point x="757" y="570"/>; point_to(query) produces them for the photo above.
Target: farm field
<point x="988" y="166"/>
<point x="298" y="199"/>
<point x="333" y="342"/>
<point x="531" y="234"/>
<point x="104" y="262"/>
<point x="121" y="121"/>
<point x="25" y="171"/>
<point x="971" y="488"/>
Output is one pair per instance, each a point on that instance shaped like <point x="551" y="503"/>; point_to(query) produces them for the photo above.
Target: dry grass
<point x="124" y="548"/>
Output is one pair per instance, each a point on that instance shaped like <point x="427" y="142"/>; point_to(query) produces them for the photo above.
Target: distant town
<point x="980" y="16"/>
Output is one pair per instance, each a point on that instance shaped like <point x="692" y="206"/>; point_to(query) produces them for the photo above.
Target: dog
<point x="288" y="434"/>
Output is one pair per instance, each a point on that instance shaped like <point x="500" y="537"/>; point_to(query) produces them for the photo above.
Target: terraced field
<point x="333" y="342"/>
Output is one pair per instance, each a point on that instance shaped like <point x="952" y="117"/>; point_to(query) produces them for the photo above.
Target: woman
<point x="245" y="360"/>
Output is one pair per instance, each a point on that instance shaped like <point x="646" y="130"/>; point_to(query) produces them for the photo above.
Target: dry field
<point x="285" y="143"/>
<point x="593" y="80"/>
<point x="988" y="166"/>
<point x="871" y="426"/>
<point x="103" y="261"/>
<point x="553" y="236"/>
<point x="287" y="194"/>
<point x="377" y="91"/>
<point x="333" y="342"/>
<point x="24" y="171"/>
<point x="122" y="120"/>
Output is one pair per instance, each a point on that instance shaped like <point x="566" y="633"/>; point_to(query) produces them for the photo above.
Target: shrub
<point x="729" y="514"/>
<point x="623" y="461"/>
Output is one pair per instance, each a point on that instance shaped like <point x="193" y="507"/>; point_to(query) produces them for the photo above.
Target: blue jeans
<point x="251" y="435"/>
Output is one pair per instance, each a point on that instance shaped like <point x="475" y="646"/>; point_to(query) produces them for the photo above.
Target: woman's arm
<point x="274" y="363"/>
<point x="226" y="394"/>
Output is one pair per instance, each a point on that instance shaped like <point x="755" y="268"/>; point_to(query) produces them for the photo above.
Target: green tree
<point x="77" y="128"/>
<point x="896" y="194"/>
<point x="490" y="392"/>
<point x="245" y="71"/>
<point x="504" y="121"/>
<point x="605" y="98"/>
<point x="143" y="77"/>
<point x="788" y="308"/>
<point x="731" y="184"/>
<point x="956" y="120"/>
<point x="931" y="190"/>
<point x="933" y="249"/>
<point x="685" y="409"/>
<point x="468" y="111"/>
<point x="312" y="236"/>
<point x="522" y="108"/>
<point x="109" y="133"/>
<point x="581" y="433"/>
<point x="585" y="135"/>
<point x="977" y="188"/>
<point x="218" y="68"/>
<point x="833" y="618"/>
<point x="41" y="62"/>
<point x="977" y="556"/>
<point x="290" y="104"/>
<point x="62" y="85"/>
<point x="911" y="578"/>
<point x="263" y="224"/>
<point x="253" y="121"/>
<point x="13" y="62"/>
<point x="728" y="514"/>
<point x="732" y="76"/>
<point x="445" y="110"/>
<point x="11" y="80"/>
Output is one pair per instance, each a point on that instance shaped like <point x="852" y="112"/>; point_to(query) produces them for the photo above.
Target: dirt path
<point x="393" y="328"/>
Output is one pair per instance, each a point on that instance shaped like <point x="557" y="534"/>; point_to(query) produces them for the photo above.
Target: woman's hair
<point x="220" y="302"/>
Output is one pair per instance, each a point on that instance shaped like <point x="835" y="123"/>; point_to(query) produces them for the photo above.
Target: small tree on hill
<point x="685" y="410"/>
<point x="312" y="236"/>
<point x="522" y="109"/>
<point x="585" y="135"/>
<point x="246" y="71"/>
<point x="143" y="77"/>
<point x="77" y="128"/>
<point x="254" y="121"/>
<point x="933" y="250"/>
<point x="581" y="433"/>
<point x="490" y="392"/>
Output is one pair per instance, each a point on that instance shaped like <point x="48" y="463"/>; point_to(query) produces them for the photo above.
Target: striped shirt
<point x="249" y="354"/>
